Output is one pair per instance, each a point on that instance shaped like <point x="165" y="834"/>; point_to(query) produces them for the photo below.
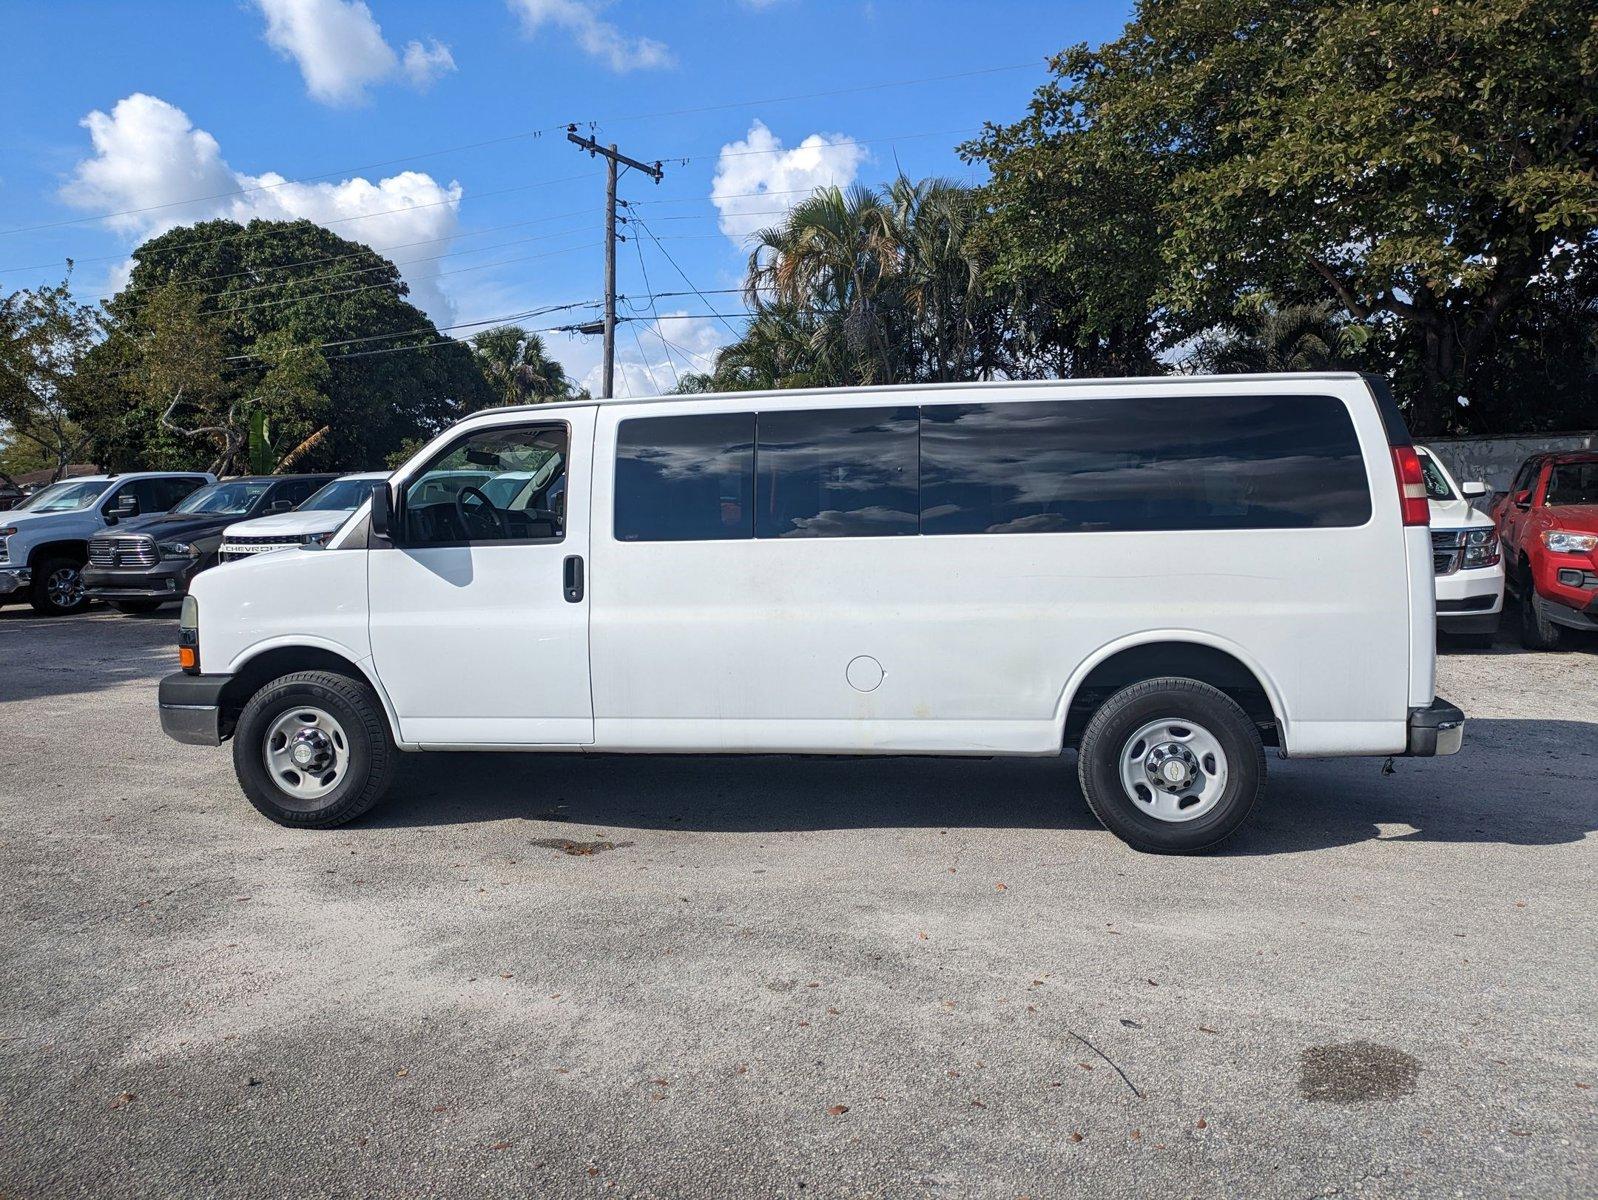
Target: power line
<point x="638" y="223"/>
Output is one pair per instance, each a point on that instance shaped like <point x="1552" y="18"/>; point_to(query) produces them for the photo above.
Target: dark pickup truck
<point x="145" y="562"/>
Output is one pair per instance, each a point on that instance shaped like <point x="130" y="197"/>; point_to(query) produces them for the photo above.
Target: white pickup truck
<point x="44" y="541"/>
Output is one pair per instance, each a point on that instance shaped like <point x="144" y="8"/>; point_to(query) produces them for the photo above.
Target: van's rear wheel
<point x="313" y="749"/>
<point x="1171" y="765"/>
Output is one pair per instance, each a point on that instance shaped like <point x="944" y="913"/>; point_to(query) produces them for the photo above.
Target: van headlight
<point x="176" y="550"/>
<point x="1561" y="542"/>
<point x="189" y="636"/>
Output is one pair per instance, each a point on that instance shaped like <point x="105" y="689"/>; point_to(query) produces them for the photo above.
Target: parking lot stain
<point x="578" y="849"/>
<point x="1356" y="1073"/>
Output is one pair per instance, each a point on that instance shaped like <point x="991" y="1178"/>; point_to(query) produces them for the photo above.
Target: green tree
<point x="1431" y="166"/>
<point x="44" y="338"/>
<point x="220" y="321"/>
<point x="1298" y="337"/>
<point x="518" y="367"/>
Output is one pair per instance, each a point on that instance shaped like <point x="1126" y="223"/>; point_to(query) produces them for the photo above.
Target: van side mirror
<point x="382" y="511"/>
<point x="1473" y="489"/>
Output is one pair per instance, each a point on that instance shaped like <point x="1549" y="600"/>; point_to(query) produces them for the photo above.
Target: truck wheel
<point x="136" y="606"/>
<point x="1537" y="632"/>
<point x="313" y="750"/>
<point x="58" y="587"/>
<point x="1171" y="765"/>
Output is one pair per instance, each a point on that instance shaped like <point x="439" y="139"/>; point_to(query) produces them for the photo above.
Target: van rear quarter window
<point x="687" y="478"/>
<point x="1141" y="464"/>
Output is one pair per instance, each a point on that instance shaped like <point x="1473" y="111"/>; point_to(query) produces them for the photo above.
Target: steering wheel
<point x="497" y="519"/>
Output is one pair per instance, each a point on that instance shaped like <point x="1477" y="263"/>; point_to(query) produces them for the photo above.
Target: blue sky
<point x="337" y="111"/>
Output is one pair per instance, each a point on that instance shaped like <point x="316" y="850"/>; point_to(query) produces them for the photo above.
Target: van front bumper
<point x="1437" y="729"/>
<point x="191" y="708"/>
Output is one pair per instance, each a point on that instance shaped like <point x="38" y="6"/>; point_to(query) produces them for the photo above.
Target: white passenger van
<point x="1166" y="575"/>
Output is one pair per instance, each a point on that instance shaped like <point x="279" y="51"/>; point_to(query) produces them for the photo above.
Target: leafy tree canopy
<point x="44" y="338"/>
<point x="222" y="325"/>
<point x="1430" y="166"/>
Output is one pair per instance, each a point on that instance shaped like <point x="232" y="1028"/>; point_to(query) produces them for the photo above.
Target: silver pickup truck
<point x="44" y="541"/>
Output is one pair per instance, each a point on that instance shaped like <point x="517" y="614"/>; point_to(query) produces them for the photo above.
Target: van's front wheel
<point x="313" y="749"/>
<point x="1171" y="765"/>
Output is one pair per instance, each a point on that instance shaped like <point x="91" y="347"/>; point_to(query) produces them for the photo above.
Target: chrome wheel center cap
<point x="311" y="749"/>
<point x="1170" y="766"/>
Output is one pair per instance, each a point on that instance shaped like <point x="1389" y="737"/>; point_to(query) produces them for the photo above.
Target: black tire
<point x="1537" y="632"/>
<point x="356" y="709"/>
<point x="136" y="606"/>
<point x="1122" y="715"/>
<point x="48" y="577"/>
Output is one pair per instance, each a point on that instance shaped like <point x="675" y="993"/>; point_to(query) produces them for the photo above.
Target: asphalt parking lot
<point x="784" y="977"/>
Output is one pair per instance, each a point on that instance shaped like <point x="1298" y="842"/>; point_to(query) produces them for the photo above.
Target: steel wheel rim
<point x="306" y="752"/>
<point x="64" y="587"/>
<point x="1173" y="769"/>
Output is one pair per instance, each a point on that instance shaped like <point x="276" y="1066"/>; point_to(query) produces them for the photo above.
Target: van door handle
<point x="573" y="578"/>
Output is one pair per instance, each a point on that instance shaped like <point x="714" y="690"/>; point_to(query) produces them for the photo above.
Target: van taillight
<point x="1411" y="486"/>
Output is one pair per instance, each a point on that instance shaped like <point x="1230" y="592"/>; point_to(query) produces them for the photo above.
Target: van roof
<point x="889" y="388"/>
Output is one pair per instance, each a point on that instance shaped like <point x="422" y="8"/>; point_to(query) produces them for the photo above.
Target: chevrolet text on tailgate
<point x="1165" y="575"/>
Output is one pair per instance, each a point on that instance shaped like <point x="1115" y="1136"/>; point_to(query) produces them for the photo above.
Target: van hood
<point x="323" y="520"/>
<point x="1457" y="514"/>
<point x="1577" y="518"/>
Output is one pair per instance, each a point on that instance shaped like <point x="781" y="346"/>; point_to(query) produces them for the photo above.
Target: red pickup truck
<point x="1548" y="526"/>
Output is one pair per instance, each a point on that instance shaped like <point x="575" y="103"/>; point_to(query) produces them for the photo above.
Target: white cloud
<point x="424" y="64"/>
<point x="598" y="39"/>
<point x="341" y="50"/>
<point x="694" y="342"/>
<point x="757" y="175"/>
<point x="147" y="154"/>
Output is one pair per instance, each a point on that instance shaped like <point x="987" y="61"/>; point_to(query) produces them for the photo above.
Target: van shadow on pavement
<point x="1517" y="782"/>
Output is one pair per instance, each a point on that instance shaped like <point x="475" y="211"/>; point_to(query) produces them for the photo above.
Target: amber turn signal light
<point x="188" y="658"/>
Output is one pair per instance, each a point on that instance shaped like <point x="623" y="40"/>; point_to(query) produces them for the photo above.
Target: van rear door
<point x="479" y="615"/>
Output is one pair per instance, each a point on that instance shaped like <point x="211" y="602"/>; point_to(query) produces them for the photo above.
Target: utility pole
<point x="612" y="159"/>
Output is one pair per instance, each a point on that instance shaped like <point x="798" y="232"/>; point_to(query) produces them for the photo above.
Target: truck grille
<point x="232" y="551"/>
<point x="122" y="552"/>
<point x="1448" y="546"/>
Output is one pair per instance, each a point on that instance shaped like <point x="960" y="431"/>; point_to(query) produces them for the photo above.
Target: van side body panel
<point x="747" y="645"/>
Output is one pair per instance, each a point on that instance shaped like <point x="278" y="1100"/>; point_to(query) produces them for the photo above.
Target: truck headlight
<point x="1481" y="548"/>
<point x="315" y="539"/>
<point x="176" y="550"/>
<point x="1561" y="542"/>
<point x="7" y="530"/>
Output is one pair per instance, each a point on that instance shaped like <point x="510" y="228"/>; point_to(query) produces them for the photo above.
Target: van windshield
<point x="64" y="497"/>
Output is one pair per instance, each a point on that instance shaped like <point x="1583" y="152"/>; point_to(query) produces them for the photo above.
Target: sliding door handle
<point x="573" y="578"/>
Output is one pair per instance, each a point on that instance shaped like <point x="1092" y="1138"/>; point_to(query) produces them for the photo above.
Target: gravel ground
<point x="781" y="977"/>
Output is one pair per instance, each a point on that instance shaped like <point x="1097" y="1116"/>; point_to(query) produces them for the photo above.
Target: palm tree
<point x="835" y="257"/>
<point x="518" y="367"/>
<point x="1280" y="339"/>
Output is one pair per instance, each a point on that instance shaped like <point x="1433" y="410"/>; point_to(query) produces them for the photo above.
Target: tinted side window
<point x="170" y="491"/>
<point x="688" y="478"/>
<point x="841" y="472"/>
<point x="1244" y="462"/>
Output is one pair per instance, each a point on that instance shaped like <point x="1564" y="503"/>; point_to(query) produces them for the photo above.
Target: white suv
<point x="44" y="541"/>
<point x="309" y="524"/>
<point x="1466" y="560"/>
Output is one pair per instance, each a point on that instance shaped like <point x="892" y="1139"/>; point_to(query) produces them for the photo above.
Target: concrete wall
<point x="1495" y="460"/>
